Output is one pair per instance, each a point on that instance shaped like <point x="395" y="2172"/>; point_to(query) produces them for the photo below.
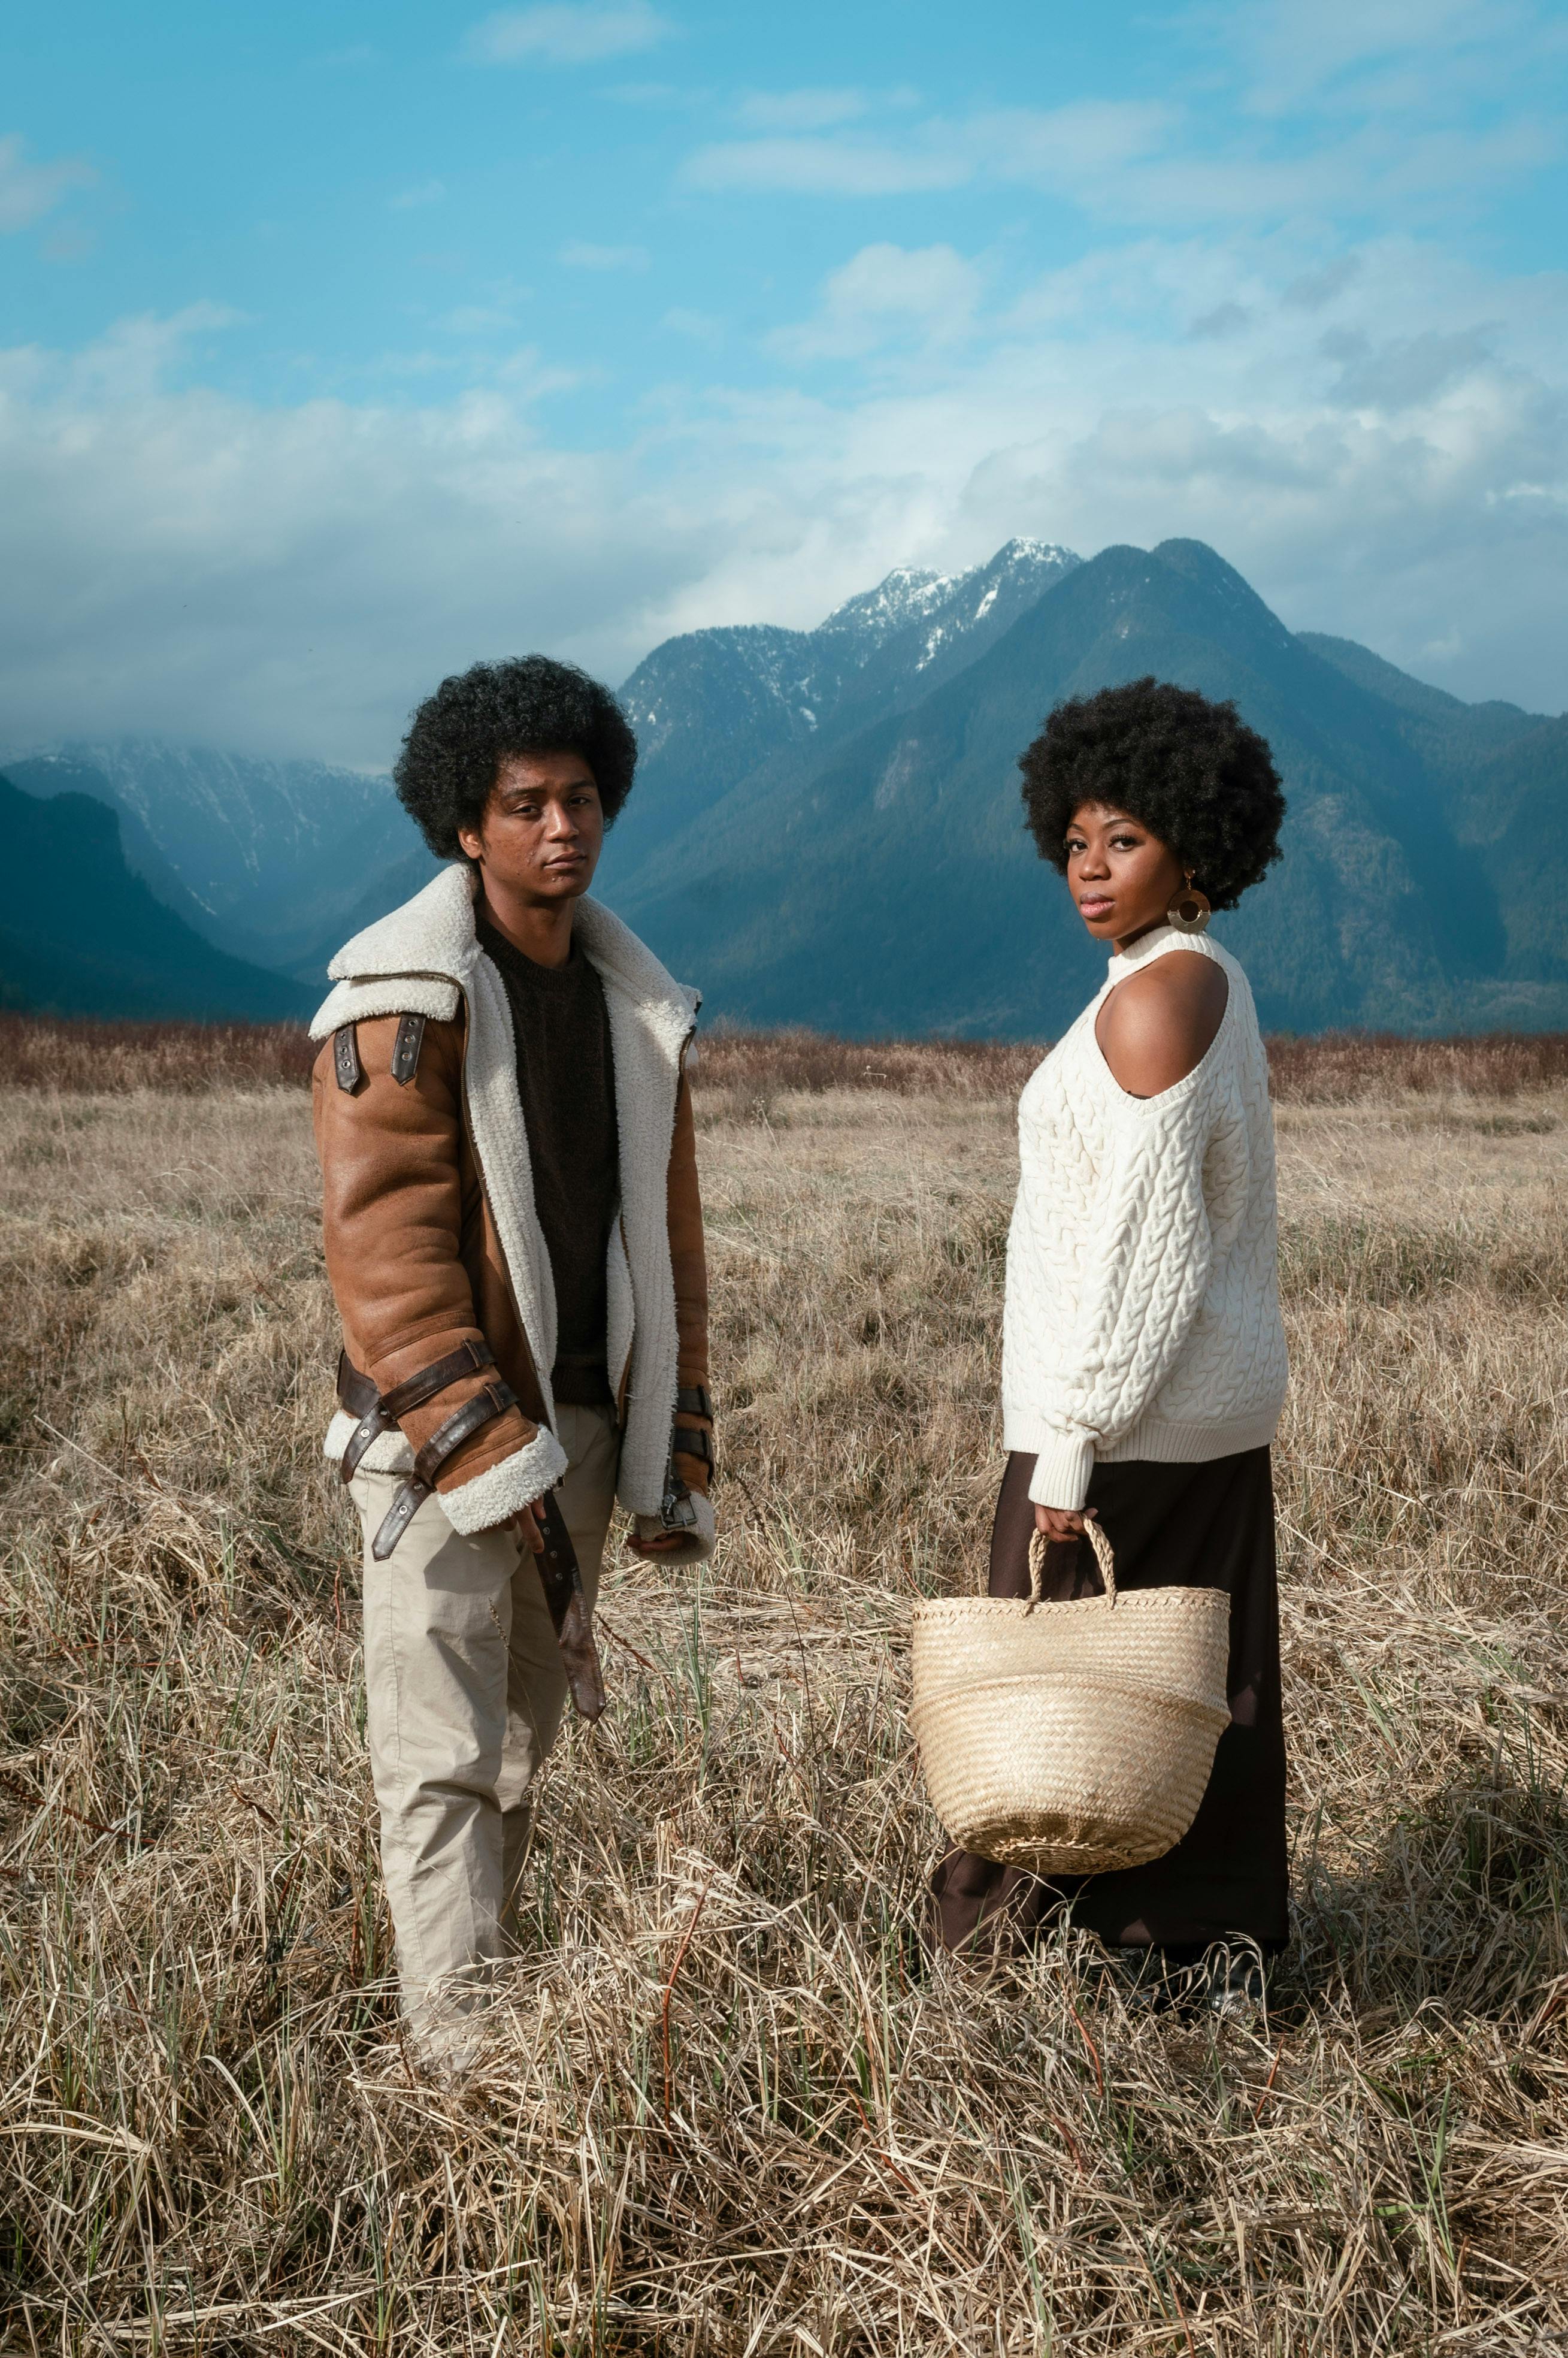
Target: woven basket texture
<point x="1075" y="1739"/>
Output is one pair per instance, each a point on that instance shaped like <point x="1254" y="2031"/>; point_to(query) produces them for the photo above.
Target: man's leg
<point x="536" y="1686"/>
<point x="435" y="1622"/>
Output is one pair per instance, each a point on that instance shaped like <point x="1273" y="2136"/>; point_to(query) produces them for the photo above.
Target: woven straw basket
<point x="1070" y="1739"/>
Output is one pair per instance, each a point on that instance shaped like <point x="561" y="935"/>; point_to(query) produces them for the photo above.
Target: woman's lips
<point x="1096" y="905"/>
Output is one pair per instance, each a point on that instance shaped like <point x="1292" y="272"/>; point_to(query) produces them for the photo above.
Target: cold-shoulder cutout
<point x="1157" y="1024"/>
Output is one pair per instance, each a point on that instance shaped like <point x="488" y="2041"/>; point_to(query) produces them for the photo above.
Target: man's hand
<point x="1061" y="1523"/>
<point x="525" y="1523"/>
<point x="661" y="1544"/>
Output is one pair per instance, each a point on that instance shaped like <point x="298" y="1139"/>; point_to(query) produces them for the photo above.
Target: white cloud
<point x="828" y="168"/>
<point x="286" y="578"/>
<point x="579" y="255"/>
<point x="888" y="292"/>
<point x="565" y="34"/>
<point x="283" y="578"/>
<point x="1055" y="147"/>
<point x="1296" y="54"/>
<point x="29" y="191"/>
<point x="427" y="192"/>
<point x="1142" y="161"/>
<point x="701" y="327"/>
<point x="800" y="110"/>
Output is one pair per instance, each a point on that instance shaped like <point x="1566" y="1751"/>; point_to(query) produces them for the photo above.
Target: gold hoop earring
<point x="1190" y="910"/>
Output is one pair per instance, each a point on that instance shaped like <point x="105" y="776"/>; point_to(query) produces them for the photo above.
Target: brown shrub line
<point x="83" y="1056"/>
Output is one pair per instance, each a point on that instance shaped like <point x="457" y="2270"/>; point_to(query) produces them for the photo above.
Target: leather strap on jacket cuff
<point x="693" y="1443"/>
<point x="692" y="1399"/>
<point x="464" y="1422"/>
<point x="466" y="1360"/>
<point x="377" y="1412"/>
<point x="493" y="1401"/>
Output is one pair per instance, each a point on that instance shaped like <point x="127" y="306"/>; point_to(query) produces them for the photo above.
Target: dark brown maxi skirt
<point x="1208" y="1526"/>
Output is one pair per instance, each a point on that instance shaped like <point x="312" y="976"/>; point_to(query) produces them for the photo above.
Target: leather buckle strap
<point x="346" y="1058"/>
<point x="405" y="1049"/>
<point x="378" y="1411"/>
<point x="692" y="1399"/>
<point x="361" y="1400"/>
<point x="414" y="1390"/>
<point x="492" y="1402"/>
<point x="691" y="1442"/>
<point x="355" y="1393"/>
<point x="464" y="1422"/>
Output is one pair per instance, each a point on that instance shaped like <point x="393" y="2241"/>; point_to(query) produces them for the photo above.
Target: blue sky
<point x="342" y="344"/>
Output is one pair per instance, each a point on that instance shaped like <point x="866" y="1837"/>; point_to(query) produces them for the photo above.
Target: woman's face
<point x="1122" y="878"/>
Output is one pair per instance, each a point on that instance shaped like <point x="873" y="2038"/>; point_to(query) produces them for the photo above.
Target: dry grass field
<point x="722" y="2112"/>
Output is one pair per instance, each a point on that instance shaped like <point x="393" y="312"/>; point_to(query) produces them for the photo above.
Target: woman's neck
<point x="1123" y="942"/>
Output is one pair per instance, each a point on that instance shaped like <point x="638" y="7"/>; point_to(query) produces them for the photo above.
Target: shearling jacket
<point x="432" y="1241"/>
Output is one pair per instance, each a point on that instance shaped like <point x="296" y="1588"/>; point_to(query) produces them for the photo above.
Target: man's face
<point x="543" y="827"/>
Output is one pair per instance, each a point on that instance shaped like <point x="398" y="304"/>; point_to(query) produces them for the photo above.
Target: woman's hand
<point x="1058" y="1524"/>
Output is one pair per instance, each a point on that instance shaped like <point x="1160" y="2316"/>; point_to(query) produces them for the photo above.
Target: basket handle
<point x="1103" y="1557"/>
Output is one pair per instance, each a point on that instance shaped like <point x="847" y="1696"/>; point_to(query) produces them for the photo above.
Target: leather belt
<point x="561" y="1580"/>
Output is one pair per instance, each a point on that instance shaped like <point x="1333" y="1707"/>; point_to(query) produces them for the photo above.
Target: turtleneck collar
<point x="1147" y="946"/>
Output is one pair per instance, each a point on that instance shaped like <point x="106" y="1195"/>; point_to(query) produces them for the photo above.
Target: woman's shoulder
<point x="1159" y="1021"/>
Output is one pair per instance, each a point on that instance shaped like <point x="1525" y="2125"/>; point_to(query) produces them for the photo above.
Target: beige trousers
<point x="464" y="1693"/>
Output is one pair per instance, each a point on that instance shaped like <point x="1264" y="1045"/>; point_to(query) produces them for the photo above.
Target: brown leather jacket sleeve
<point x="689" y="1260"/>
<point x="393" y="1216"/>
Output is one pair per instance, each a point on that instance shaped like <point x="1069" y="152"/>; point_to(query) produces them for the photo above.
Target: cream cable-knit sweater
<point x="1143" y="1315"/>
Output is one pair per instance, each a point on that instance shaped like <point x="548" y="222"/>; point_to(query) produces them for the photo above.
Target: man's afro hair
<point x="459" y="737"/>
<point x="1189" y="770"/>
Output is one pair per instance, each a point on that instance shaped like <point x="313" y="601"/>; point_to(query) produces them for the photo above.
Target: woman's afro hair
<point x="459" y="738"/>
<point x="1189" y="770"/>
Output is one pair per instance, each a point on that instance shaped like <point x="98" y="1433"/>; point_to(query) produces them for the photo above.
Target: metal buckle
<point x="678" y="1513"/>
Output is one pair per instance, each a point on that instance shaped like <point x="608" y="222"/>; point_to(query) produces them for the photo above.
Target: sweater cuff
<point x="1061" y="1470"/>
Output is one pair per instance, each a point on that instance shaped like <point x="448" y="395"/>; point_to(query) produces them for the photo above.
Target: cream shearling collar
<point x="434" y="936"/>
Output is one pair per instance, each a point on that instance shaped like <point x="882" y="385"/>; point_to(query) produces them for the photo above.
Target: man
<point x="514" y="1241"/>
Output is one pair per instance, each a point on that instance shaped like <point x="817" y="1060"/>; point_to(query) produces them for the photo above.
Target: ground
<point x="722" y="2112"/>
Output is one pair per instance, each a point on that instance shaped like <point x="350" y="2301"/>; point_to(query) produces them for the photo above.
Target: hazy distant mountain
<point x="272" y="859"/>
<point x="887" y="885"/>
<point x="714" y="707"/>
<point x="80" y="934"/>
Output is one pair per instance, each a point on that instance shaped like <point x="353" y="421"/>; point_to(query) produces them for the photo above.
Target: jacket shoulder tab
<point x="430" y="995"/>
<point x="346" y="1058"/>
<point x="405" y="1049"/>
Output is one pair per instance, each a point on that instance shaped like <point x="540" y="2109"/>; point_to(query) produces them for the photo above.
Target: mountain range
<point x="827" y="829"/>
<point x="81" y="935"/>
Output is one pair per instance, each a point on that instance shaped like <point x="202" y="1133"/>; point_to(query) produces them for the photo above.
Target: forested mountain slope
<point x="80" y="934"/>
<point x="891" y="887"/>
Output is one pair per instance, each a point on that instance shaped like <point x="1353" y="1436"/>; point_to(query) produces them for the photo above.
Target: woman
<point x="1143" y="1361"/>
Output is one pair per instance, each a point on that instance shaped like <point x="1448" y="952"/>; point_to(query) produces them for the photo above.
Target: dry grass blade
<point x="721" y="2110"/>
